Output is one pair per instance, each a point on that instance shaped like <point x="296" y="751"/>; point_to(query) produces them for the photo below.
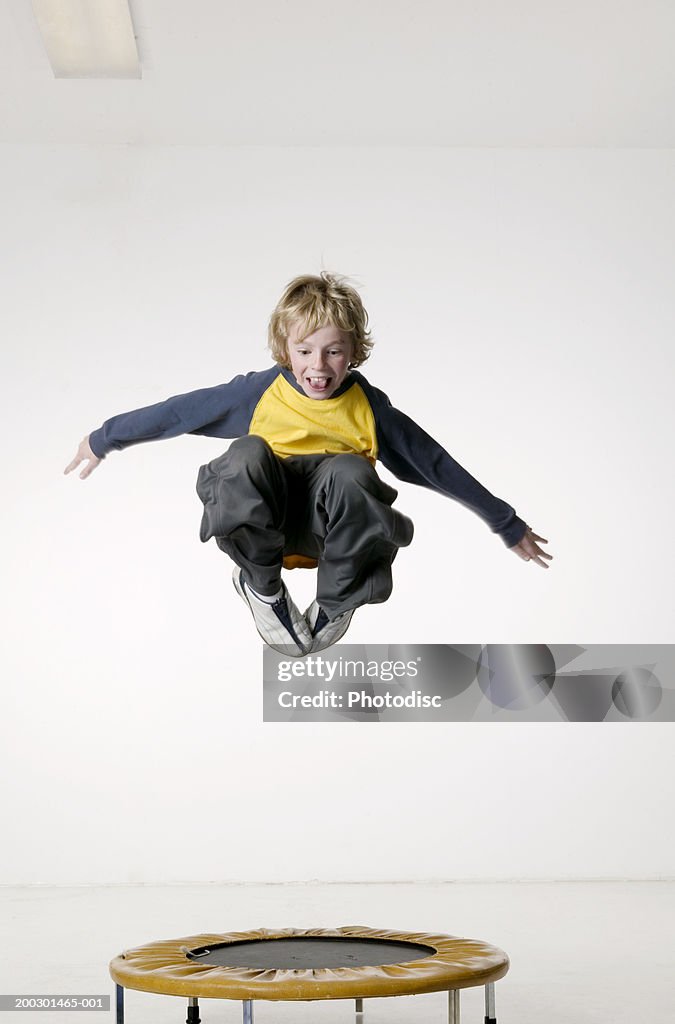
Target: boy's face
<point x="320" y="362"/>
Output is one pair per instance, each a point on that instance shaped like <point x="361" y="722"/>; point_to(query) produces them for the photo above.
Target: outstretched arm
<point x="84" y="454"/>
<point x="413" y="455"/>
<point x="222" y="411"/>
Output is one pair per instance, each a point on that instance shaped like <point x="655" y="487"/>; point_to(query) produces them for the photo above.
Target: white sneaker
<point x="325" y="632"/>
<point x="280" y="624"/>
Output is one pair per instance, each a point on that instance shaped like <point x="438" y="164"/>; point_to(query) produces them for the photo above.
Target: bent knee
<point x="250" y="443"/>
<point x="250" y="448"/>
<point x="348" y="468"/>
<point x="354" y="475"/>
<point x="244" y="453"/>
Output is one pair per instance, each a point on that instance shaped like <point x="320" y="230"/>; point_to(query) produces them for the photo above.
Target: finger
<point x="538" y="556"/>
<point x="73" y="465"/>
<point x="533" y="553"/>
<point x="534" y="549"/>
<point x="88" y="470"/>
<point x="535" y="536"/>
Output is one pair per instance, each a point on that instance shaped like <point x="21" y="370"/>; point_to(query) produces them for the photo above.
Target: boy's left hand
<point x="529" y="550"/>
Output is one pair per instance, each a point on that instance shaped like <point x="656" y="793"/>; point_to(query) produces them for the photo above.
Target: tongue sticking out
<point x="319" y="383"/>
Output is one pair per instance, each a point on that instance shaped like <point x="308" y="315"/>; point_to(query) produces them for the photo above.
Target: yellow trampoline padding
<point x="165" y="968"/>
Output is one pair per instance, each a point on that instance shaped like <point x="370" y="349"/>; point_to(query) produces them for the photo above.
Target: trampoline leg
<point x="119" y="1004"/>
<point x="490" y="1017"/>
<point x="453" y="1006"/>
<point x="359" y="1011"/>
<point x="193" y="1011"/>
<point x="248" y="1011"/>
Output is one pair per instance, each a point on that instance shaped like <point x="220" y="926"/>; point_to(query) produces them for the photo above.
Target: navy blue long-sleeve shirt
<point x="357" y="418"/>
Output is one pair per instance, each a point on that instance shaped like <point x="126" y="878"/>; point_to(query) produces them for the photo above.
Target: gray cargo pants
<point x="333" y="508"/>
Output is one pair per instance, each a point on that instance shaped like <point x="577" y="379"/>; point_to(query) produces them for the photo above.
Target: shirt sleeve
<point x="414" y="456"/>
<point x="221" y="411"/>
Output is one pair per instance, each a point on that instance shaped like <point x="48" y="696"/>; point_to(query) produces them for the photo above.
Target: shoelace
<point x="282" y="612"/>
<point x="321" y="620"/>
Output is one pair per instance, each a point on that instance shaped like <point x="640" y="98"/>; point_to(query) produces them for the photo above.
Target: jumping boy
<point x="298" y="485"/>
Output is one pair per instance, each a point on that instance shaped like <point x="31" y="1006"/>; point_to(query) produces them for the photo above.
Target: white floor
<point x="580" y="951"/>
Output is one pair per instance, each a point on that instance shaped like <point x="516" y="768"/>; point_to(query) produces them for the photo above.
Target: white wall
<point x="522" y="303"/>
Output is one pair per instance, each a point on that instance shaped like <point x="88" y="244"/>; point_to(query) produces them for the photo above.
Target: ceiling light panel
<point x="88" y="38"/>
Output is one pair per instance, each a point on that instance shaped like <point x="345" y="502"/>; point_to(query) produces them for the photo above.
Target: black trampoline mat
<point x="308" y="951"/>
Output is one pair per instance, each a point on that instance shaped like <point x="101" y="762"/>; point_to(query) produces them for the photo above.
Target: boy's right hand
<point x="84" y="454"/>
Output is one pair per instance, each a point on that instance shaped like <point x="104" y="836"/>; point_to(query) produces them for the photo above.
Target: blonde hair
<point x="313" y="302"/>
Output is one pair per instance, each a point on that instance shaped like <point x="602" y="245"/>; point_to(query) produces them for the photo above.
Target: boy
<point x="298" y="486"/>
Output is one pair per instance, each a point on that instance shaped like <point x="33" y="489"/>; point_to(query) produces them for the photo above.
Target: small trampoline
<point x="291" y="964"/>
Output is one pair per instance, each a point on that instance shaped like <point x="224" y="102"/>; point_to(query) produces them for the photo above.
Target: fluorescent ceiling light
<point x="88" y="38"/>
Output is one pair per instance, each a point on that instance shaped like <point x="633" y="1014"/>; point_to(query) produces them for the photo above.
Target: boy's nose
<point x="318" y="361"/>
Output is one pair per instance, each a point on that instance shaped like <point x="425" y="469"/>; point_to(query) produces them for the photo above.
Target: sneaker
<point x="325" y="632"/>
<point x="281" y="625"/>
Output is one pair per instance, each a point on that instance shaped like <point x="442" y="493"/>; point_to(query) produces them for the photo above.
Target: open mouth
<point x="319" y="383"/>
